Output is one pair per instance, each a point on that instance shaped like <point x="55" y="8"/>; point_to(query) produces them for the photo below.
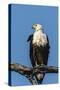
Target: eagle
<point x="39" y="49"/>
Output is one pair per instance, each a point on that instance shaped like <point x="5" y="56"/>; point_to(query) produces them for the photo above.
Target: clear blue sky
<point x="22" y="18"/>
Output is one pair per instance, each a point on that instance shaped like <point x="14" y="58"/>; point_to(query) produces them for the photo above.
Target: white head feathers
<point x="37" y="27"/>
<point x="39" y="38"/>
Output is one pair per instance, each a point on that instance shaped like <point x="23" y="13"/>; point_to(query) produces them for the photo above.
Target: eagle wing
<point x="30" y="38"/>
<point x="37" y="54"/>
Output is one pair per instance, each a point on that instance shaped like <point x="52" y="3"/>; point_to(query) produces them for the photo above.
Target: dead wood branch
<point x="29" y="72"/>
<point x="24" y="70"/>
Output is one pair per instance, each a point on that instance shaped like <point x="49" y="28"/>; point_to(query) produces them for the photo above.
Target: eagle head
<point x="37" y="27"/>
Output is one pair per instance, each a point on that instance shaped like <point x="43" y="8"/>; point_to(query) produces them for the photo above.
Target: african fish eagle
<point x="39" y="49"/>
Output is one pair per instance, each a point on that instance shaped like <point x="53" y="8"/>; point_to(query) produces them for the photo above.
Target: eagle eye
<point x="36" y="25"/>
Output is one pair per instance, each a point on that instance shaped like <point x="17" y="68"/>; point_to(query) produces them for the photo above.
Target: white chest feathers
<point x="39" y="38"/>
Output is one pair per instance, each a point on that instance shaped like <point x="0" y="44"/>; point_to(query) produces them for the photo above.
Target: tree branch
<point x="24" y="70"/>
<point x="29" y="72"/>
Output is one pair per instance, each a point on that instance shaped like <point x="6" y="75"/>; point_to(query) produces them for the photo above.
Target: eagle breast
<point x="39" y="38"/>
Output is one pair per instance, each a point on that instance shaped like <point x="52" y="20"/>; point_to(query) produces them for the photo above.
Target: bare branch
<point x="46" y="69"/>
<point x="29" y="72"/>
<point x="23" y="70"/>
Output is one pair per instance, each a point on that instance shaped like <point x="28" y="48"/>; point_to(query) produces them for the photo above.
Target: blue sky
<point x="22" y="18"/>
